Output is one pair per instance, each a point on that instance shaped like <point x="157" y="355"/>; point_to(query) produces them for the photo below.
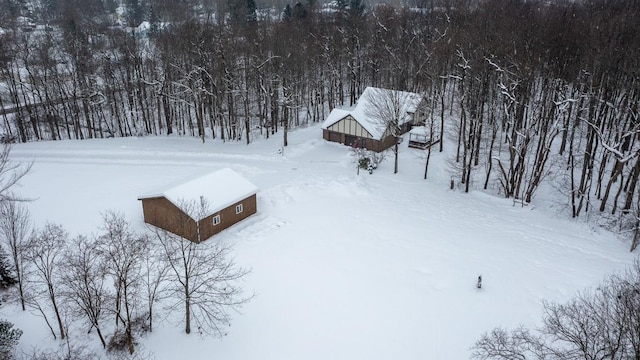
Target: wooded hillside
<point x="536" y="88"/>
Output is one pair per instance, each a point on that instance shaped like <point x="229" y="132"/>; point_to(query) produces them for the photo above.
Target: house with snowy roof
<point x="365" y="126"/>
<point x="201" y="207"/>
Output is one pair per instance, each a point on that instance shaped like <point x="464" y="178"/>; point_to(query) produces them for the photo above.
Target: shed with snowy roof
<point x="360" y="127"/>
<point x="201" y="207"/>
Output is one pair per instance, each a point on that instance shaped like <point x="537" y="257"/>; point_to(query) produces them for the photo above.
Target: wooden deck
<point x="417" y="144"/>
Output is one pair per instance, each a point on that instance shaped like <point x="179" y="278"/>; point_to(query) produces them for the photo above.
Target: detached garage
<point x="202" y="207"/>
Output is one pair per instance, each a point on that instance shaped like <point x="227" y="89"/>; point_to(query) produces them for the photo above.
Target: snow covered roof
<point x="419" y="130"/>
<point x="334" y="116"/>
<point x="220" y="189"/>
<point x="407" y="102"/>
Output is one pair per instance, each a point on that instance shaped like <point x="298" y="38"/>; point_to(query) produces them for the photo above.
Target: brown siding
<point x="386" y="143"/>
<point x="326" y="134"/>
<point x="406" y="127"/>
<point x="228" y="217"/>
<point x="332" y="136"/>
<point x="371" y="144"/>
<point x="164" y="214"/>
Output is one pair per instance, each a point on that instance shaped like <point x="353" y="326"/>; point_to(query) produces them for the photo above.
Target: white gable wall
<point x="348" y="125"/>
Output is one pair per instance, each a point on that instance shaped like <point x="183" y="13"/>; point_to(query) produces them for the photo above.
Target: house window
<point x="238" y="208"/>
<point x="363" y="143"/>
<point x="216" y="220"/>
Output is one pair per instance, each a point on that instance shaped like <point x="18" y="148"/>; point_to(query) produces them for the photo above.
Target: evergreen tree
<point x="110" y="6"/>
<point x="135" y="12"/>
<point x="351" y="7"/>
<point x="50" y="6"/>
<point x="10" y="9"/>
<point x="356" y="7"/>
<point x="241" y="12"/>
<point x="251" y="10"/>
<point x="153" y="22"/>
<point x="286" y="14"/>
<point x="234" y="9"/>
<point x="7" y="277"/>
<point x="299" y="11"/>
<point x="8" y="339"/>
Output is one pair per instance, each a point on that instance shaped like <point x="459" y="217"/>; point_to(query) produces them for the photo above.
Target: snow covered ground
<point x="344" y="266"/>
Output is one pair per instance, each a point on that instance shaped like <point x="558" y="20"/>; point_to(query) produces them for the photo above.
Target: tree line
<point x="525" y="89"/>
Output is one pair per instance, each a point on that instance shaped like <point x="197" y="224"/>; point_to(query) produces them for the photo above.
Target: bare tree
<point x="431" y="126"/>
<point x="44" y="251"/>
<point x="204" y="279"/>
<point x="15" y="226"/>
<point x="390" y="109"/>
<point x="155" y="273"/>
<point x="123" y="252"/>
<point x="84" y="282"/>
<point x="518" y="344"/>
<point x="11" y="173"/>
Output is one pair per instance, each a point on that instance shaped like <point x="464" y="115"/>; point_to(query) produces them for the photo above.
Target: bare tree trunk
<point x="395" y="155"/>
<point x="43" y="251"/>
<point x="494" y="133"/>
<point x="15" y="226"/>
<point x="617" y="170"/>
<point x="633" y="183"/>
<point x="187" y="309"/>
<point x="56" y="309"/>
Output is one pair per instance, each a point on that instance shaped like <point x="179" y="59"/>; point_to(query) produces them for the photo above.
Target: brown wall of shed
<point x="228" y="217"/>
<point x="164" y="214"/>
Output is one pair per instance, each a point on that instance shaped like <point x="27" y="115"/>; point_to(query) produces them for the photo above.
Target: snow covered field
<point x="344" y="266"/>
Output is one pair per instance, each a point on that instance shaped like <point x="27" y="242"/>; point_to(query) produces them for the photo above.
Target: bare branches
<point x="85" y="282"/>
<point x="391" y="111"/>
<point x="616" y="148"/>
<point x="124" y="274"/>
<point x="122" y="251"/>
<point x="500" y="344"/>
<point x="44" y="251"/>
<point x="204" y="278"/>
<point x="15" y="228"/>
<point x="598" y="324"/>
<point x="10" y="175"/>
